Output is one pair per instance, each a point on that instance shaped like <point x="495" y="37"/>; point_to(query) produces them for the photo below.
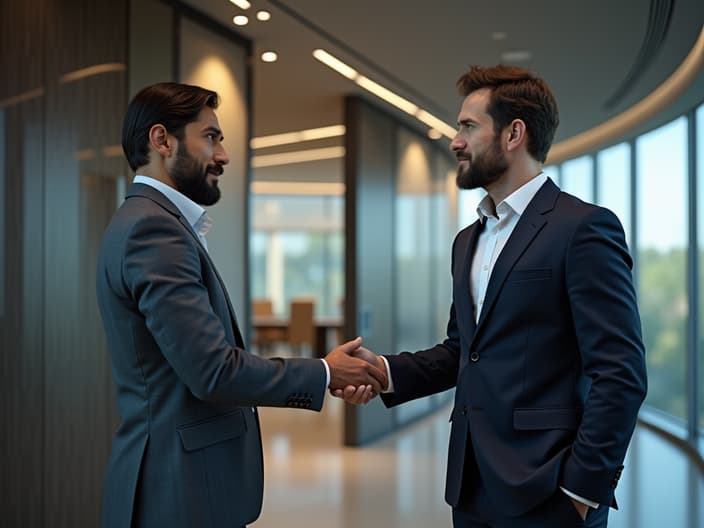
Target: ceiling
<point x="590" y="52"/>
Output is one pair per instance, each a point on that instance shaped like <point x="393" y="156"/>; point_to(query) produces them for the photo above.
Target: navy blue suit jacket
<point x="550" y="379"/>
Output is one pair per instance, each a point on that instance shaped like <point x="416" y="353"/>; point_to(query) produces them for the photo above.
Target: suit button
<point x="464" y="409"/>
<point x="474" y="357"/>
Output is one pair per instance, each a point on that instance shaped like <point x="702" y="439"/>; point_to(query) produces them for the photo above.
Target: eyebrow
<point x="466" y="121"/>
<point x="214" y="130"/>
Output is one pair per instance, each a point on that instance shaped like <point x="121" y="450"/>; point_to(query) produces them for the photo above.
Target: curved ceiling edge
<point x="617" y="127"/>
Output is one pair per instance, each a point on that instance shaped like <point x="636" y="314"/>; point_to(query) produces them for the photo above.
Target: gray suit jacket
<point x="188" y="449"/>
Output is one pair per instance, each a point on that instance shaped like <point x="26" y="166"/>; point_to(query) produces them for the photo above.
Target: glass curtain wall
<point x="662" y="235"/>
<point x="660" y="244"/>
<point x="700" y="233"/>
<point x="613" y="173"/>
<point x="577" y="178"/>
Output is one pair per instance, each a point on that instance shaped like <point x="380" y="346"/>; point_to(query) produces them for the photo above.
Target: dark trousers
<point x="477" y="511"/>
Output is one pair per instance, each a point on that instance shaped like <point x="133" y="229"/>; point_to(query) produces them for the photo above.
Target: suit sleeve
<point x="607" y="325"/>
<point x="426" y="372"/>
<point x="161" y="270"/>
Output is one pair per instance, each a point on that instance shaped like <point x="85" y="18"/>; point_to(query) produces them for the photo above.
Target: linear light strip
<point x="299" y="188"/>
<point x="384" y="93"/>
<point x="242" y="4"/>
<point x="21" y="98"/>
<point x="92" y="70"/>
<point x="335" y="63"/>
<point x="298" y="136"/>
<point x="300" y="156"/>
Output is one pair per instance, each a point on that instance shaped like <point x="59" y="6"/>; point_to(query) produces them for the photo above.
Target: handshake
<point x="356" y="374"/>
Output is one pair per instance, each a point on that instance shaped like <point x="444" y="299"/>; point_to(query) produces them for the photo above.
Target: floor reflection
<point x="311" y="482"/>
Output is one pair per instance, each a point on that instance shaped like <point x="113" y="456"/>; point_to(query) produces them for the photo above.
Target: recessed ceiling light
<point x="240" y="20"/>
<point x="516" y="56"/>
<point x="434" y="134"/>
<point x="499" y="35"/>
<point x="242" y="4"/>
<point x="263" y="15"/>
<point x="269" y="56"/>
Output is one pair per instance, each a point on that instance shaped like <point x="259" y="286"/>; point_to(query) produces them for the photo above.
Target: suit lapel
<point x="465" y="304"/>
<point x="528" y="226"/>
<point x="140" y="189"/>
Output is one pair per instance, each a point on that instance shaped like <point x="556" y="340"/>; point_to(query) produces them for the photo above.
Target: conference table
<point x="322" y="325"/>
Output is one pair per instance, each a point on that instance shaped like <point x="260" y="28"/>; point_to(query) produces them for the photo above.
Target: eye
<point x="210" y="136"/>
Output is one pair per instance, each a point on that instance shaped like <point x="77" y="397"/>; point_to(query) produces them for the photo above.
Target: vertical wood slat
<point x="83" y="118"/>
<point x="21" y="351"/>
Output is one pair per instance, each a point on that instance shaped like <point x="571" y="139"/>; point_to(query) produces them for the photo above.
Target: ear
<point x="516" y="134"/>
<point x="161" y="141"/>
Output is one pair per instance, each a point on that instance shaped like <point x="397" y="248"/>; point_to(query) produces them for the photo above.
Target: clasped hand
<point x="356" y="374"/>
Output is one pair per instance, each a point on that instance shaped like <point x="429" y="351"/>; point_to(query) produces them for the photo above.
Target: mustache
<point x="216" y="169"/>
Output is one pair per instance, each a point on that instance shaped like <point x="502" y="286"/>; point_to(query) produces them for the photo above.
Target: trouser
<point x="477" y="511"/>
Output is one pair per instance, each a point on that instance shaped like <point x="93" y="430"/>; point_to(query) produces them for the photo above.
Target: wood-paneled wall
<point x="62" y="172"/>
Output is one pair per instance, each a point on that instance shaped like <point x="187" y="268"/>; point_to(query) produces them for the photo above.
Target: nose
<point x="220" y="156"/>
<point x="457" y="143"/>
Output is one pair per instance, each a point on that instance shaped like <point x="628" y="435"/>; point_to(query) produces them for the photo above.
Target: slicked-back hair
<point x="516" y="93"/>
<point x="173" y="105"/>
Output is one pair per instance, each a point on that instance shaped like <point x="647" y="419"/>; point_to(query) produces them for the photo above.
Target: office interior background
<point x="357" y="213"/>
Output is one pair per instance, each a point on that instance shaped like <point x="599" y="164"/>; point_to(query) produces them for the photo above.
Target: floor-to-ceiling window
<point x="576" y="177"/>
<point x="297" y="250"/>
<point x="700" y="232"/>
<point x="662" y="235"/>
<point x="613" y="172"/>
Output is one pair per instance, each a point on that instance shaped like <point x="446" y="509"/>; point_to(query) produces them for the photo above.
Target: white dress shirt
<point x="199" y="220"/>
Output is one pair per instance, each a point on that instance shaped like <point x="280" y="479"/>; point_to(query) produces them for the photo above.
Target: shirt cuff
<point x="576" y="497"/>
<point x="390" y="387"/>
<point x="327" y="373"/>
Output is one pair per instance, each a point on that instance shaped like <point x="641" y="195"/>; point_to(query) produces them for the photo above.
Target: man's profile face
<point x="200" y="159"/>
<point x="476" y="145"/>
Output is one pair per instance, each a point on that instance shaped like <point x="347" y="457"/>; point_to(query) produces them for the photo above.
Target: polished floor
<point x="313" y="482"/>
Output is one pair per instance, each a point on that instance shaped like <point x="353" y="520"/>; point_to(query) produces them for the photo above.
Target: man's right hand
<point x="349" y="366"/>
<point x="358" y="395"/>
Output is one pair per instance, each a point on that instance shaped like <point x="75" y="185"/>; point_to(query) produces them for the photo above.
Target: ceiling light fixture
<point x="300" y="156"/>
<point x="335" y="63"/>
<point x="242" y="4"/>
<point x="300" y="188"/>
<point x="240" y="20"/>
<point x="263" y="15"/>
<point x="516" y="56"/>
<point x="269" y="56"/>
<point x="384" y="93"/>
<point x="434" y="133"/>
<point x="438" y="124"/>
<point x="297" y="136"/>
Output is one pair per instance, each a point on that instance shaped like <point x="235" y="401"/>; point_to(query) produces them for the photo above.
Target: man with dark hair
<point x="188" y="450"/>
<point x="543" y="343"/>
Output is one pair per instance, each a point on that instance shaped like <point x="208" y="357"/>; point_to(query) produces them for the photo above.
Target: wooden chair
<point x="265" y="338"/>
<point x="301" y="326"/>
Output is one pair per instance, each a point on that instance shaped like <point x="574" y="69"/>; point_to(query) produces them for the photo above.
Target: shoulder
<point x="576" y="212"/>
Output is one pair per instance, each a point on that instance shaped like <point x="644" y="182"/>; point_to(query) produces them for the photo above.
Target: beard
<point x="483" y="169"/>
<point x="191" y="179"/>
